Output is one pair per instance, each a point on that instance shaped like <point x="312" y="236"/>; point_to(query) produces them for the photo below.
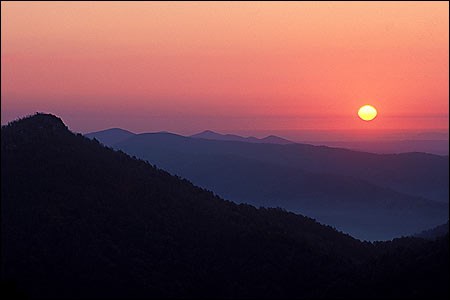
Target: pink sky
<point x="249" y="68"/>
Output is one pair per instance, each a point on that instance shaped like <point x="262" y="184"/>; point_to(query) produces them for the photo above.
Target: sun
<point x="367" y="112"/>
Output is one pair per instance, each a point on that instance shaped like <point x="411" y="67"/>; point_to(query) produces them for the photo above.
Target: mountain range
<point x="432" y="146"/>
<point x="211" y="135"/>
<point x="80" y="220"/>
<point x="114" y="135"/>
<point x="370" y="196"/>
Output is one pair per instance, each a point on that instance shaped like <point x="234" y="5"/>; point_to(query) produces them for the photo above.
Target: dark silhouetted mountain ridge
<point x="80" y="220"/>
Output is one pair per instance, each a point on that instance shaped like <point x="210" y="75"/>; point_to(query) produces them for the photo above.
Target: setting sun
<point x="367" y="112"/>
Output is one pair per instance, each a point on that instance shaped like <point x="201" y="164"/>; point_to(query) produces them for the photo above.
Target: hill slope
<point x="307" y="179"/>
<point x="82" y="221"/>
<point x="418" y="174"/>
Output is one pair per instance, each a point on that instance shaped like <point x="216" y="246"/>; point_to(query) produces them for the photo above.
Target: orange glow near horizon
<point x="227" y="66"/>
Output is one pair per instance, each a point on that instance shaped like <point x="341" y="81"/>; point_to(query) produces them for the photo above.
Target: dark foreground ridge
<point x="80" y="220"/>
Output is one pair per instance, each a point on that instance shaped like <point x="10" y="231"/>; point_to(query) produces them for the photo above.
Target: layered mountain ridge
<point x="80" y="220"/>
<point x="370" y="196"/>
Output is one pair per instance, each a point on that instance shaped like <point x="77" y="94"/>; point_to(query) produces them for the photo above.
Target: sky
<point x="301" y="69"/>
